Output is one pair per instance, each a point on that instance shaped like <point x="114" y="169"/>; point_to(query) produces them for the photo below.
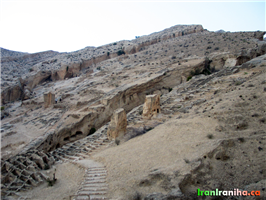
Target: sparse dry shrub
<point x="117" y="141"/>
<point x="136" y="196"/>
<point x="210" y="136"/>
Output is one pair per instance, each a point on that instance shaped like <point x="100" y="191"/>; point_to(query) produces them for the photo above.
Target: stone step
<point x="98" y="197"/>
<point x="91" y="188"/>
<point x="100" y="167"/>
<point x="96" y="172"/>
<point x="82" y="155"/>
<point x="85" y="150"/>
<point x="90" y="192"/>
<point x="95" y="185"/>
<point x="71" y="157"/>
<point x="81" y="197"/>
<point x="92" y="147"/>
<point x="95" y="182"/>
<point x="91" y="197"/>
<point x="94" y="175"/>
<point x="96" y="169"/>
<point x="95" y="179"/>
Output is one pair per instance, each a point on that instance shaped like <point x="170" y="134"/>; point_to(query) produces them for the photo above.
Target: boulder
<point x="130" y="49"/>
<point x="222" y="60"/>
<point x="38" y="78"/>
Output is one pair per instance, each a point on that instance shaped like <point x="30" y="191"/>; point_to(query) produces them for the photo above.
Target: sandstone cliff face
<point x="62" y="66"/>
<point x="72" y="69"/>
<point x="16" y="64"/>
<point x="169" y="33"/>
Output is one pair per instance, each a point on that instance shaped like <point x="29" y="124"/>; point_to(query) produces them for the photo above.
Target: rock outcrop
<point x="52" y="66"/>
<point x="151" y="106"/>
<point x="49" y="99"/>
<point x="24" y="171"/>
<point x="118" y="124"/>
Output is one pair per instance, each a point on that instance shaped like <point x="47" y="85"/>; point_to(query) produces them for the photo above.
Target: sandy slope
<point x="69" y="177"/>
<point x="164" y="148"/>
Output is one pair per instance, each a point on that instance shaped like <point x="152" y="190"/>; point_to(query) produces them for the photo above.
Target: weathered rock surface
<point x="118" y="124"/>
<point x="213" y="145"/>
<point x="23" y="171"/>
<point x="151" y="106"/>
<point x="202" y="88"/>
<point x="53" y="66"/>
<point x="49" y="99"/>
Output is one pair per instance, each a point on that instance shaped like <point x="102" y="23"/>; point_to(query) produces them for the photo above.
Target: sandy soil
<point x="164" y="148"/>
<point x="69" y="178"/>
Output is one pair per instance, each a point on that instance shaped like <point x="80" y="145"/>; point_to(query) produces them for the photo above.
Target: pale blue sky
<point x="34" y="26"/>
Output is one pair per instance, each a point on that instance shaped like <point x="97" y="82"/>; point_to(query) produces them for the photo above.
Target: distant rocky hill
<point x="9" y="53"/>
<point x="220" y="31"/>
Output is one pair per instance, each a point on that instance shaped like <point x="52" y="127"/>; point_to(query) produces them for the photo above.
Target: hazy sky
<point x="59" y="25"/>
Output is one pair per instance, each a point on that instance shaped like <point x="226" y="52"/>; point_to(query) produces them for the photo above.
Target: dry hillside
<point x="208" y="133"/>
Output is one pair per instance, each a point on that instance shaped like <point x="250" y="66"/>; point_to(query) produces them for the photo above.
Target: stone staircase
<point x="94" y="185"/>
<point x="83" y="148"/>
<point x="23" y="171"/>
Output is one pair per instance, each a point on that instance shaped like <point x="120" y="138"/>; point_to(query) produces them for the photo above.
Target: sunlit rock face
<point x="151" y="106"/>
<point x="118" y="124"/>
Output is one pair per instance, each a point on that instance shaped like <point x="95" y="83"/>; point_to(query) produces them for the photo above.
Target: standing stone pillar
<point x="49" y="99"/>
<point x="1" y="100"/>
<point x="118" y="124"/>
<point x="151" y="106"/>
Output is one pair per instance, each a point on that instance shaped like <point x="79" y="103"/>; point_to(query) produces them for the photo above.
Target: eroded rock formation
<point x="49" y="99"/>
<point x="94" y="82"/>
<point x="23" y="171"/>
<point x="118" y="124"/>
<point x="151" y="106"/>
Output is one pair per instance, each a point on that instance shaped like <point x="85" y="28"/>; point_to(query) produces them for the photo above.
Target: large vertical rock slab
<point x="1" y="100"/>
<point x="49" y="99"/>
<point x="118" y="124"/>
<point x="151" y="106"/>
